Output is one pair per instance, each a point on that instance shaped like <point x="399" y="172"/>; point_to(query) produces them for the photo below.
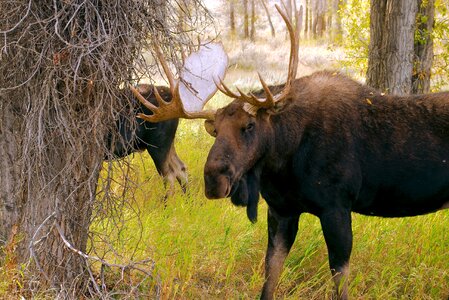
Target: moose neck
<point x="286" y="129"/>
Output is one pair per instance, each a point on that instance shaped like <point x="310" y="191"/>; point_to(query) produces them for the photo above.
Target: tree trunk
<point x="319" y="8"/>
<point x="232" y="16"/>
<point x="311" y="16"/>
<point x="267" y="11"/>
<point x="306" y="23"/>
<point x="245" y="19"/>
<point x="423" y="47"/>
<point x="390" y="61"/>
<point x="12" y="188"/>
<point x="61" y="69"/>
<point x="335" y="29"/>
<point x="253" y="21"/>
<point x="43" y="197"/>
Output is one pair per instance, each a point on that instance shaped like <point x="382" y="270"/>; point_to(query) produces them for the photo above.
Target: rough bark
<point x="12" y="189"/>
<point x="390" y="61"/>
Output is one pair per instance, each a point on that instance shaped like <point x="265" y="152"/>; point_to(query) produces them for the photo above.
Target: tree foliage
<point x="355" y="18"/>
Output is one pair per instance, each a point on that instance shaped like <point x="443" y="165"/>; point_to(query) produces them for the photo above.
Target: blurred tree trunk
<point x="253" y="21"/>
<point x="232" y="16"/>
<point x="330" y="19"/>
<point x="390" y="61"/>
<point x="335" y="29"/>
<point x="423" y="47"/>
<point x="311" y="19"/>
<point x="338" y="4"/>
<point x="267" y="11"/>
<point x="245" y="19"/>
<point x="319" y="8"/>
<point x="306" y="22"/>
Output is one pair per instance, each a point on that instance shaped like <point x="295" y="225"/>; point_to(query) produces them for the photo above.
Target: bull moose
<point x="326" y="145"/>
<point x="156" y="138"/>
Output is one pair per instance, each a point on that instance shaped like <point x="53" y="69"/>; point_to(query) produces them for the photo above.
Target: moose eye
<point x="249" y="127"/>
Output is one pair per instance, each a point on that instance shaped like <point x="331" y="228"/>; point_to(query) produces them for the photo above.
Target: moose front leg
<point x="337" y="230"/>
<point x="281" y="235"/>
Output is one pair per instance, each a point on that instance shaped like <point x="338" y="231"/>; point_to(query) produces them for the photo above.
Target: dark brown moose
<point x="327" y="145"/>
<point x="157" y="138"/>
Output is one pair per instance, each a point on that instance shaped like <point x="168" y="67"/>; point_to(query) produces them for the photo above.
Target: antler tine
<point x="205" y="114"/>
<point x="164" y="64"/>
<point x="294" y="42"/>
<point x="251" y="98"/>
<point x="270" y="99"/>
<point x="268" y="93"/>
<point x="142" y="99"/>
<point x="225" y="90"/>
<point x="169" y="110"/>
<point x="158" y="97"/>
<point x="165" y="110"/>
<point x="190" y="89"/>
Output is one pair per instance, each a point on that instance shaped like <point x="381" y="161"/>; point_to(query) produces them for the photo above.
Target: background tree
<point x="267" y="11"/>
<point x="391" y="51"/>
<point x="306" y="19"/>
<point x="423" y="46"/>
<point x="232" y="16"/>
<point x="319" y="8"/>
<point x="253" y="21"/>
<point x="245" y="19"/>
<point x="337" y="28"/>
<point x="62" y="64"/>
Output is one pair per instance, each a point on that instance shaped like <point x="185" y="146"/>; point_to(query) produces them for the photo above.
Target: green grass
<point x="207" y="249"/>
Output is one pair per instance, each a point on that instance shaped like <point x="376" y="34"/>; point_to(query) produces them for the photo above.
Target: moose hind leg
<point x="336" y="225"/>
<point x="281" y="235"/>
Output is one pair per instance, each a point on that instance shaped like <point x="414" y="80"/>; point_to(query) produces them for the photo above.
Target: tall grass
<point x="206" y="249"/>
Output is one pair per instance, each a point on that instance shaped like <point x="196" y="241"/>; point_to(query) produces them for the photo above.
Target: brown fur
<point x="333" y="147"/>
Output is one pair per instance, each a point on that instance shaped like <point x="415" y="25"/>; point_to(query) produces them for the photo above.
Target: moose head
<point x="242" y="129"/>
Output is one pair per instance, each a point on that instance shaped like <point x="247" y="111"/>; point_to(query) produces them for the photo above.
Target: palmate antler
<point x="194" y="88"/>
<point x="270" y="99"/>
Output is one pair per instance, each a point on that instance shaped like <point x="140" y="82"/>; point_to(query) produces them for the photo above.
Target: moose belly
<point x="409" y="199"/>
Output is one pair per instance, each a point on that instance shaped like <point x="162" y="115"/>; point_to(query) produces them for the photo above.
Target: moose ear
<point x="210" y="127"/>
